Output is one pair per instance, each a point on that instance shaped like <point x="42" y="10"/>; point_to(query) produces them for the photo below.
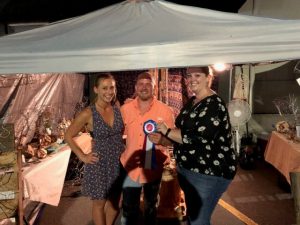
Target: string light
<point x="298" y="81"/>
<point x="219" y="67"/>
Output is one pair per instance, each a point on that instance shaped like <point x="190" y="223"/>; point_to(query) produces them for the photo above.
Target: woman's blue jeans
<point x="202" y="193"/>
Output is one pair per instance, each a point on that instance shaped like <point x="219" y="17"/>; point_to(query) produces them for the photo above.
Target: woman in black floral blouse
<point x="203" y="149"/>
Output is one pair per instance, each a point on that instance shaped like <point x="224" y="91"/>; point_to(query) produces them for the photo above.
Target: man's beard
<point x="145" y="97"/>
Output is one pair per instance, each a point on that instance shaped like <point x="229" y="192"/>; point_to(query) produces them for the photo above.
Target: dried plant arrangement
<point x="288" y="109"/>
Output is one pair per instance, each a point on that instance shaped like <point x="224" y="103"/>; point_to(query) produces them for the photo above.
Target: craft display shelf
<point x="10" y="194"/>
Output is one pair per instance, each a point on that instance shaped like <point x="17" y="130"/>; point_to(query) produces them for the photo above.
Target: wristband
<point x="168" y="131"/>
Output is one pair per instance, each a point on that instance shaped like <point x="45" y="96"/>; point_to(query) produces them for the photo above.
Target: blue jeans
<point x="202" y="193"/>
<point x="131" y="202"/>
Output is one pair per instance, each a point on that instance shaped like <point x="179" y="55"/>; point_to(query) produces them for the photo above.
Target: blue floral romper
<point x="103" y="178"/>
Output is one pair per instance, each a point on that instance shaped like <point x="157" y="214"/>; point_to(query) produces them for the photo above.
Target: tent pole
<point x="230" y="77"/>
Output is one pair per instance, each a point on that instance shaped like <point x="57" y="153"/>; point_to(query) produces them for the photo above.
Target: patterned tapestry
<point x="178" y="92"/>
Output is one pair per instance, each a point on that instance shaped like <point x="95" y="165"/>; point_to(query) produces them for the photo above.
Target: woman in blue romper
<point x="101" y="179"/>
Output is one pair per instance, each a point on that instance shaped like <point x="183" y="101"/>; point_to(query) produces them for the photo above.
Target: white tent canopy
<point x="149" y="34"/>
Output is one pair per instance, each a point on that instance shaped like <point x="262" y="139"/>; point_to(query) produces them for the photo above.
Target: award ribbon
<point x="149" y="147"/>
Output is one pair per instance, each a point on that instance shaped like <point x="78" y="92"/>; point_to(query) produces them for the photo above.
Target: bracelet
<point x="168" y="131"/>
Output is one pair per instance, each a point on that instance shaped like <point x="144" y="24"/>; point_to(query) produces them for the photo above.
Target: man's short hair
<point x="145" y="75"/>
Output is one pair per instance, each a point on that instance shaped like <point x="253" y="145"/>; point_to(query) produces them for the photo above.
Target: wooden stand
<point x="20" y="200"/>
<point x="295" y="187"/>
<point x="9" y="180"/>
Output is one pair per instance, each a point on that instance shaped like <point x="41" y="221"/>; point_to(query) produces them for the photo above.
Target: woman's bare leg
<point x="112" y="210"/>
<point x="98" y="212"/>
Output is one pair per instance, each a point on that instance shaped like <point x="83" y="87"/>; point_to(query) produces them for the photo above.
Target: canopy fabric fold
<point x="149" y="34"/>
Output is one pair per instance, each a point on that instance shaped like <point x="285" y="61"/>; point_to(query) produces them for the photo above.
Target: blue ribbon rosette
<point x="149" y="147"/>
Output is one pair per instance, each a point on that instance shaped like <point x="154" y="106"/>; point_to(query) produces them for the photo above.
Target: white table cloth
<point x="44" y="181"/>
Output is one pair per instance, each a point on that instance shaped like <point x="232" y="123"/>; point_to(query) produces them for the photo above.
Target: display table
<point x="284" y="155"/>
<point x="44" y="181"/>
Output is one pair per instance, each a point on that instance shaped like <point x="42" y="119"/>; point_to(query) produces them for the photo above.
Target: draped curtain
<point x="28" y="97"/>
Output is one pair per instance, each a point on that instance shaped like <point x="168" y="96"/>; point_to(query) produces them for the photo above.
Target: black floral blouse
<point x="207" y="141"/>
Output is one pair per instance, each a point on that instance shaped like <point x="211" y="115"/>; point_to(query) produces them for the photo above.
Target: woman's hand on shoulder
<point x="127" y="100"/>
